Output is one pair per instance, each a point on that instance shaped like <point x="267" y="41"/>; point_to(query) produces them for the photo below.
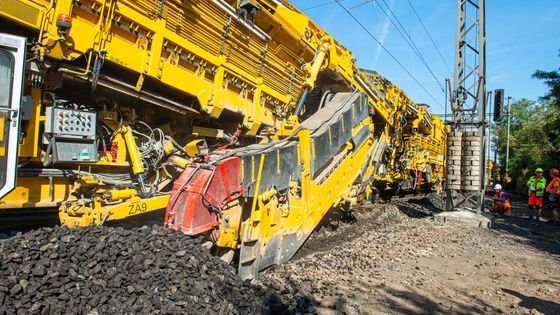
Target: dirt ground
<point x="395" y="259"/>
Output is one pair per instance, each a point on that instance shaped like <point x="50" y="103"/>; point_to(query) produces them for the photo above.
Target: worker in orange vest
<point x="537" y="185"/>
<point x="501" y="201"/>
<point x="553" y="188"/>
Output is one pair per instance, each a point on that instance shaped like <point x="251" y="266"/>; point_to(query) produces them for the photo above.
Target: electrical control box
<point x="71" y="134"/>
<point x="71" y="123"/>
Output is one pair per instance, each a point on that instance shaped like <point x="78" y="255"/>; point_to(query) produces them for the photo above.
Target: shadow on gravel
<point x="543" y="236"/>
<point x="334" y="230"/>
<point x="276" y="304"/>
<point x="285" y="297"/>
<point x="531" y="302"/>
<point x="410" y="302"/>
<point x="419" y="208"/>
<point x="412" y="212"/>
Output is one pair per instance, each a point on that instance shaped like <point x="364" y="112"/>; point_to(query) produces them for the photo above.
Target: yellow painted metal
<point x="28" y="13"/>
<point x="132" y="149"/>
<point x="270" y="222"/>
<point x="2" y="121"/>
<point x="257" y="186"/>
<point x="76" y="216"/>
<point x="115" y="195"/>
<point x="168" y="147"/>
<point x="420" y="142"/>
<point x="38" y="192"/>
<point x="241" y="72"/>
<point x="229" y="226"/>
<point x="169" y="46"/>
<point x="256" y="74"/>
<point x="196" y="147"/>
<point x="208" y="132"/>
<point x="29" y="146"/>
<point x="178" y="161"/>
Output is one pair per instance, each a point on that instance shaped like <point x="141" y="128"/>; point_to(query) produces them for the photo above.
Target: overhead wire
<point x="389" y="53"/>
<point x="320" y="5"/>
<point x="430" y="36"/>
<point x="408" y="39"/>
<point x="361" y="4"/>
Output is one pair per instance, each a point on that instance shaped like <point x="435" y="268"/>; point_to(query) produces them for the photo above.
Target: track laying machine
<point x="241" y="120"/>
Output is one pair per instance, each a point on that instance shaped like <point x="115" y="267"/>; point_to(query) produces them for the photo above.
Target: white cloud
<point x="381" y="38"/>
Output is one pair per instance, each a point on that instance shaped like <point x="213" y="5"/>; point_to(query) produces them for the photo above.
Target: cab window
<point x="6" y="74"/>
<point x="6" y="78"/>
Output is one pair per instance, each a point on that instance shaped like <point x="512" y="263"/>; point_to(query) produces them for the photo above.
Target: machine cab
<point x="12" y="63"/>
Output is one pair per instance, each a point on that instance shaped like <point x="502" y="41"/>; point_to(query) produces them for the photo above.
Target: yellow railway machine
<point x="241" y="120"/>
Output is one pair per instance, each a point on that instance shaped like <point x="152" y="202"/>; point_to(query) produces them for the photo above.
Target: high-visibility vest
<point x="540" y="185"/>
<point x="502" y="196"/>
<point x="554" y="186"/>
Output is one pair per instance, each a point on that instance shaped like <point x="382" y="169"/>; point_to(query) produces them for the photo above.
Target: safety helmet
<point x="554" y="172"/>
<point x="539" y="170"/>
<point x="498" y="187"/>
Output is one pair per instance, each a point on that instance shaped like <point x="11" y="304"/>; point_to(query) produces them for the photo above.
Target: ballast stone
<point x="107" y="270"/>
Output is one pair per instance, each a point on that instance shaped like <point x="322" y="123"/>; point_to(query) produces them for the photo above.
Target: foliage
<point x="552" y="80"/>
<point x="534" y="132"/>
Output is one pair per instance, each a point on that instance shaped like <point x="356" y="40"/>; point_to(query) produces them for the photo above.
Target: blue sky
<point x="522" y="36"/>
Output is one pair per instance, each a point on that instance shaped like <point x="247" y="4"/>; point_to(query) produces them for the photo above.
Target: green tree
<point x="534" y="131"/>
<point x="552" y="80"/>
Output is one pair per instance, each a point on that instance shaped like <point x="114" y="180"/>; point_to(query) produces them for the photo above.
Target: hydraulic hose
<point x="301" y="101"/>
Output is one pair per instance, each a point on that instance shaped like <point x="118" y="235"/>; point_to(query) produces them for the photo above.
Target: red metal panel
<point x="200" y="194"/>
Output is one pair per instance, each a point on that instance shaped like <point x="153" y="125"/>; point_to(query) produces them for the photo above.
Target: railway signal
<point x="498" y="104"/>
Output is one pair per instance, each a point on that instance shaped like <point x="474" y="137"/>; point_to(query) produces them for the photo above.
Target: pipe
<point x="301" y="101"/>
<point x="366" y="87"/>
<point x="231" y="11"/>
<point x="86" y="72"/>
<point x="508" y="131"/>
<point x="115" y="195"/>
<point x="316" y="64"/>
<point x="137" y="166"/>
<point x="313" y="71"/>
<point x="412" y="108"/>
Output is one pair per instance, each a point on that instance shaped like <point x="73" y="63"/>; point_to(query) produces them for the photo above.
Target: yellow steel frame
<point x="38" y="192"/>
<point x="154" y="45"/>
<point x="226" y="67"/>
<point x="269" y="221"/>
<point x="76" y="215"/>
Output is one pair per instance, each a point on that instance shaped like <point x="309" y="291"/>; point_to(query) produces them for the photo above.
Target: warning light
<point x="64" y="24"/>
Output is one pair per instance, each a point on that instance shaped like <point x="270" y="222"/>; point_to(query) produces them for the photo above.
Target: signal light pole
<point x="507" y="137"/>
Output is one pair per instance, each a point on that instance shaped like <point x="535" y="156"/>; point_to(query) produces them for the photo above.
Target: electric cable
<point x="320" y="5"/>
<point x="430" y="36"/>
<point x="410" y="41"/>
<point x="389" y="53"/>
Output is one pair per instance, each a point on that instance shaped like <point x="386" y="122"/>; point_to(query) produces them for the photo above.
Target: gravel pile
<point x="404" y="263"/>
<point x="338" y="264"/>
<point x="107" y="270"/>
<point x="320" y="282"/>
<point x="104" y="270"/>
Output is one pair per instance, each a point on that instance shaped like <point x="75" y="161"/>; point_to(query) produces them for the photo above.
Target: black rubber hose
<point x="176" y="145"/>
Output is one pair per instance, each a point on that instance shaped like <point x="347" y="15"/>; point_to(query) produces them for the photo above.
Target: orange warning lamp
<point x="64" y="24"/>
